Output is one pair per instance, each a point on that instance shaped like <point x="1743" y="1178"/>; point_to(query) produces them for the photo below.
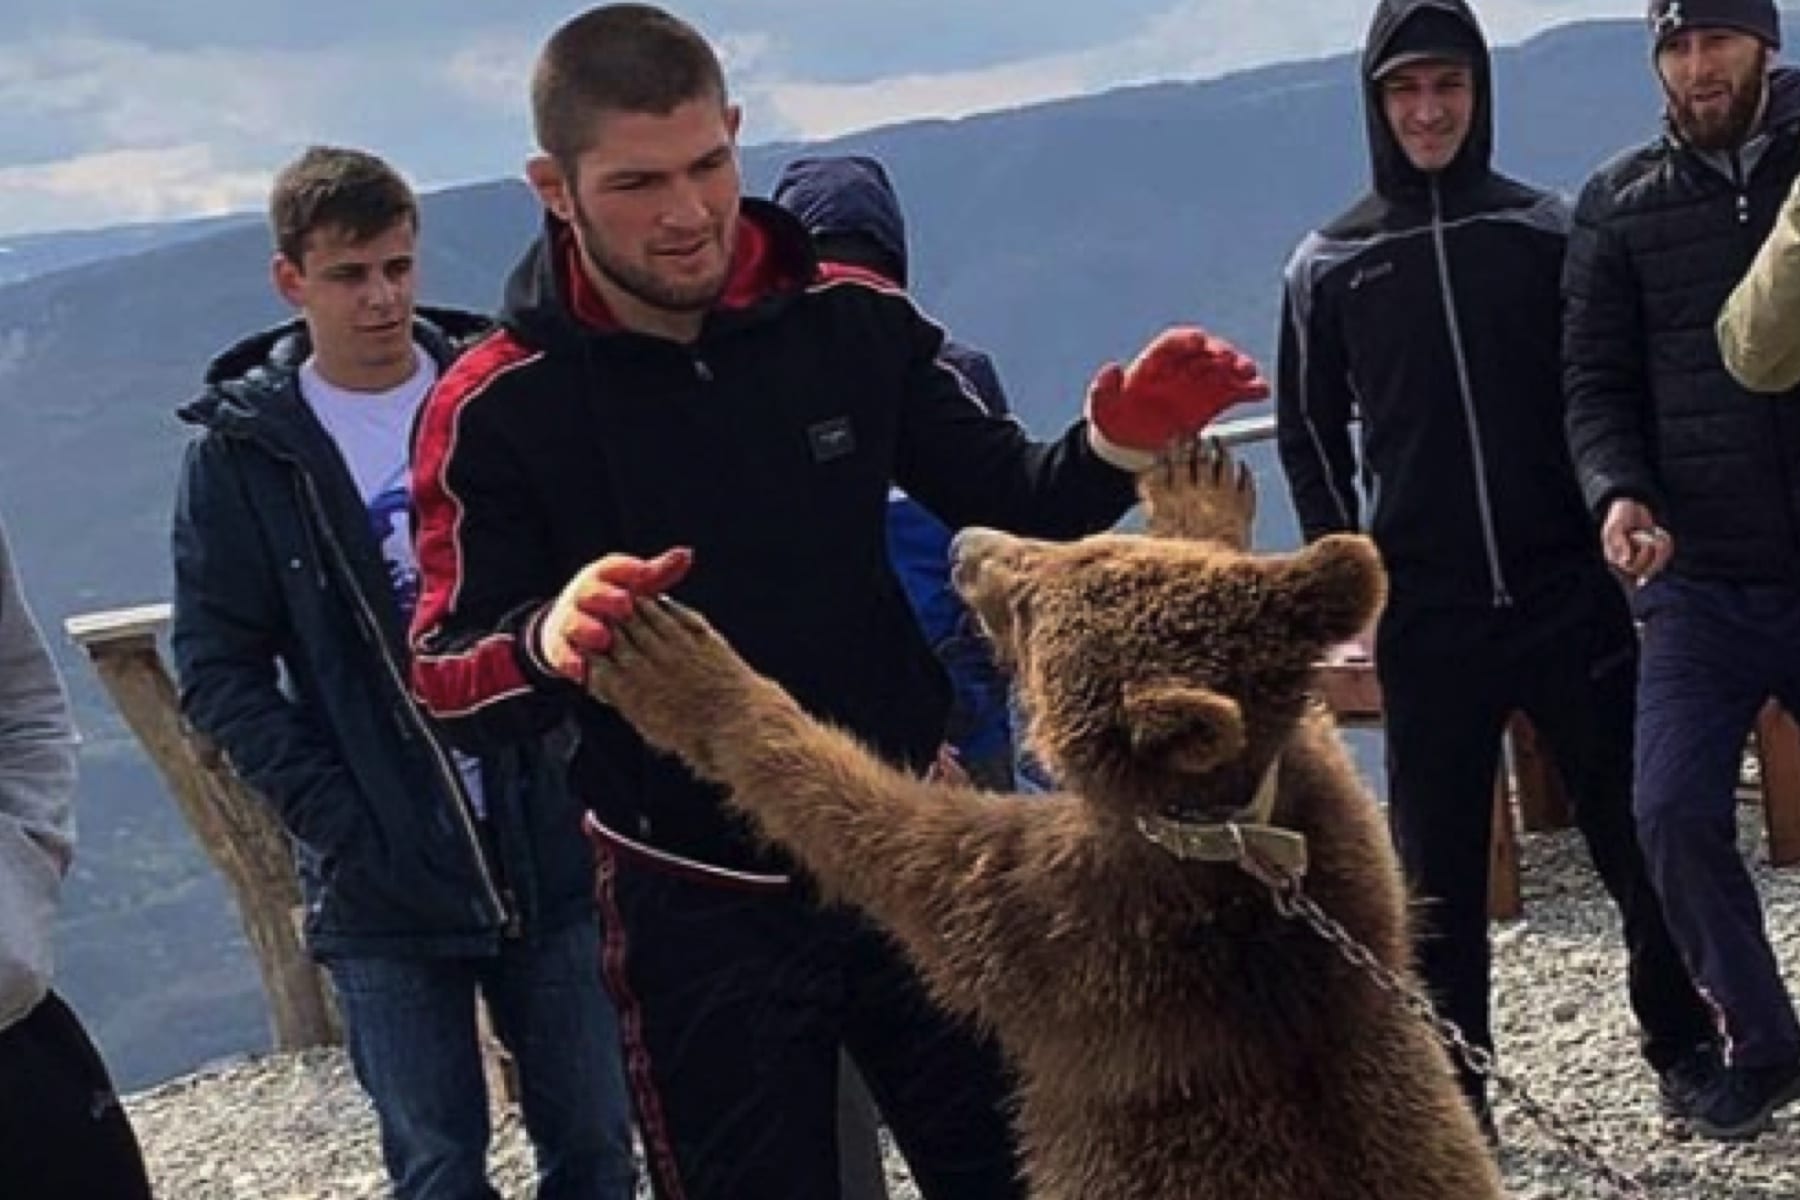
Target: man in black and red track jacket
<point x="766" y="445"/>
<point x="672" y="371"/>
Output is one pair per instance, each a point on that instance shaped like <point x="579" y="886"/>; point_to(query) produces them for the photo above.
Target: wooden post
<point x="1506" y="901"/>
<point x="237" y="831"/>
<point x="497" y="1064"/>
<point x="1778" y="748"/>
<point x="1543" y="800"/>
<point x="1351" y="691"/>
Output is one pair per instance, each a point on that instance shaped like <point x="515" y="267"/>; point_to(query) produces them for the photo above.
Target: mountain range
<point x="1056" y="237"/>
<point x="31" y="255"/>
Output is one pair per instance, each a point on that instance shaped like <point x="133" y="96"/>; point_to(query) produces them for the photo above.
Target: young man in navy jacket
<point x="429" y="877"/>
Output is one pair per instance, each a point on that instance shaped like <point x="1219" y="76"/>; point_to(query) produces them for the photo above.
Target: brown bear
<point x="1174" y="1035"/>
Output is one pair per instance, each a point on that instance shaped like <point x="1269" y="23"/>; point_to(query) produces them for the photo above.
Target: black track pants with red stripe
<point x="734" y="1002"/>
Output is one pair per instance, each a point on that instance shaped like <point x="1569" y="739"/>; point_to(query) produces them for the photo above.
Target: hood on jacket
<point x="848" y="194"/>
<point x="1394" y="174"/>
<point x="550" y="303"/>
<point x="263" y="362"/>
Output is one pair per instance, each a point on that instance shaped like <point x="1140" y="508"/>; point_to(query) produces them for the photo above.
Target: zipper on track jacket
<point x="1502" y="598"/>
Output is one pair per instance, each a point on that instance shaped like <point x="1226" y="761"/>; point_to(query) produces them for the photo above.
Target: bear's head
<point x="1159" y="672"/>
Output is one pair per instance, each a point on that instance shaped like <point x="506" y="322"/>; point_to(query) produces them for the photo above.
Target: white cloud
<point x="117" y="94"/>
<point x="91" y="110"/>
<point x="128" y="185"/>
<point x="492" y="69"/>
<point x="745" y="53"/>
<point x="815" y="110"/>
<point x="447" y="101"/>
<point x="1194" y="39"/>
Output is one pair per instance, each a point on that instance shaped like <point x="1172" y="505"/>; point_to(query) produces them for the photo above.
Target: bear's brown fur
<point x="1175" y="1037"/>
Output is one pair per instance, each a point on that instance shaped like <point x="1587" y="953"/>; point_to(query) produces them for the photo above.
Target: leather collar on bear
<point x="1247" y="840"/>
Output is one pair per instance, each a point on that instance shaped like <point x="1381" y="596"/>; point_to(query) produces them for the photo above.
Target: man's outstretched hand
<point x="1183" y="379"/>
<point x="581" y="622"/>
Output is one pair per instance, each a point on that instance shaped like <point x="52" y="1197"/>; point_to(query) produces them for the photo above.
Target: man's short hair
<point x="330" y="187"/>
<point x="632" y="58"/>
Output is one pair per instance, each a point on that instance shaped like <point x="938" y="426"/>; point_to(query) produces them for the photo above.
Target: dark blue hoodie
<point x="850" y="196"/>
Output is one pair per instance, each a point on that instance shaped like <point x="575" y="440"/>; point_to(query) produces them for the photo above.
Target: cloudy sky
<point x="123" y="110"/>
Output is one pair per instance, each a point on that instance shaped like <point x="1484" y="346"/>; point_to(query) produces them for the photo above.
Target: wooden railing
<point x="240" y="835"/>
<point x="237" y="832"/>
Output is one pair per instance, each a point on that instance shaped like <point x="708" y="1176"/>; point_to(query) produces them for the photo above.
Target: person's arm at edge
<point x="37" y="794"/>
<point x="1759" y="328"/>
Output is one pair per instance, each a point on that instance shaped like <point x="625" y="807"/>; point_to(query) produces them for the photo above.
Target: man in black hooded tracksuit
<point x="1430" y="311"/>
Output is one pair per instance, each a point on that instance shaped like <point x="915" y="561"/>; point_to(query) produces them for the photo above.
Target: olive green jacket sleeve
<point x="1759" y="330"/>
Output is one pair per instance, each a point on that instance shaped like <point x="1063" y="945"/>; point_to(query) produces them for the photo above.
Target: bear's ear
<point x="1334" y="587"/>
<point x="1182" y="727"/>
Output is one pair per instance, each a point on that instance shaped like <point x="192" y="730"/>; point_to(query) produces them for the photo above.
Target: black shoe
<point x="1682" y="1084"/>
<point x="1744" y="1100"/>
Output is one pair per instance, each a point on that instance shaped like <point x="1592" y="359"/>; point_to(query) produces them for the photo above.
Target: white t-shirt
<point x="373" y="432"/>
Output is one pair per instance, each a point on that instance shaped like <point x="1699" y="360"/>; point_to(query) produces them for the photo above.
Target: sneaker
<point x="1743" y="1102"/>
<point x="1682" y="1084"/>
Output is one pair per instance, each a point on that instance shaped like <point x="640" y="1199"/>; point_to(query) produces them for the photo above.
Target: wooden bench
<point x="1533" y="785"/>
<point x="1778" y="781"/>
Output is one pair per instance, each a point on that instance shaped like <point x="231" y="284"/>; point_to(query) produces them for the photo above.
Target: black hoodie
<point x="768" y="445"/>
<point x="1430" y="311"/>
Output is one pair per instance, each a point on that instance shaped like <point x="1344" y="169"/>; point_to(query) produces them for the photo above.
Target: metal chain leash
<point x="1294" y="904"/>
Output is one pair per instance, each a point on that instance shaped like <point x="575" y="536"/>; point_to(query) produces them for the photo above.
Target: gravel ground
<point x="296" y="1128"/>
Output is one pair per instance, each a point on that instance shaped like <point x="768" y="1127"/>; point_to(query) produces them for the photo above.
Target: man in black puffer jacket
<point x="1430" y="309"/>
<point x="1697" y="483"/>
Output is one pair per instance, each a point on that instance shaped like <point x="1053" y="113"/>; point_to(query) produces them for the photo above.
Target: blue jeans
<point x="410" y="1023"/>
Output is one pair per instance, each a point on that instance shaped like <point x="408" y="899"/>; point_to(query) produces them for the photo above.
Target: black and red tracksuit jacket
<point x="767" y="445"/>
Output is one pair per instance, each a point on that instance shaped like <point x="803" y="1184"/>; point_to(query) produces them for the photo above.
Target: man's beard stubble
<point x="640" y="284"/>
<point x="1735" y="127"/>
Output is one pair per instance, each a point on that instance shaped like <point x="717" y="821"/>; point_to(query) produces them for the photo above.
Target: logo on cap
<point x="1668" y="20"/>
